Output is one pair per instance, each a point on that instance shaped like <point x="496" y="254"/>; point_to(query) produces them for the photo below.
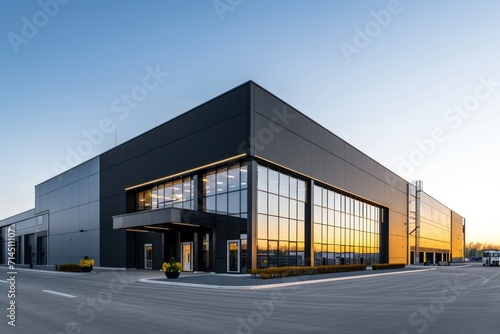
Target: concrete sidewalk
<point x="246" y="282"/>
<point x="237" y="281"/>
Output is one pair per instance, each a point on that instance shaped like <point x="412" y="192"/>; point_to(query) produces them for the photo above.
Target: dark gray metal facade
<point x="246" y="123"/>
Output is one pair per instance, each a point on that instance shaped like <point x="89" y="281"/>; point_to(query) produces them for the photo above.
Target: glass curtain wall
<point x="225" y="190"/>
<point x="281" y="204"/>
<point x="345" y="230"/>
<point x="177" y="193"/>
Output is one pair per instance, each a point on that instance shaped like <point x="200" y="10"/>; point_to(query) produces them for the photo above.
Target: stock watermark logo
<point x="263" y="310"/>
<point x="421" y="319"/>
<point x="122" y="107"/>
<point x="372" y="29"/>
<point x="89" y="308"/>
<point x="139" y="93"/>
<point x="11" y="274"/>
<point x="31" y="27"/>
<point x="453" y="118"/>
<point x="223" y="6"/>
<point x="267" y="134"/>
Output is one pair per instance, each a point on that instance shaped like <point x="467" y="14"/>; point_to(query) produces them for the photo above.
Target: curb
<point x="276" y="285"/>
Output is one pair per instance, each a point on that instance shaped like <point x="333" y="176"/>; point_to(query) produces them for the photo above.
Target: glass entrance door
<point x="187" y="256"/>
<point x="148" y="256"/>
<point x="233" y="256"/>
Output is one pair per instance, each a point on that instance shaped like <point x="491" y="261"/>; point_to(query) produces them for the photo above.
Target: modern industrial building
<point x="242" y="181"/>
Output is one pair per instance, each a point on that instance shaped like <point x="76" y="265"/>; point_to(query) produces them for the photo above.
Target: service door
<point x="148" y="256"/>
<point x="187" y="256"/>
<point x="233" y="256"/>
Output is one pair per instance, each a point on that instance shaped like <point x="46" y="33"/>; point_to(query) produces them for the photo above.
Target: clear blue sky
<point x="383" y="75"/>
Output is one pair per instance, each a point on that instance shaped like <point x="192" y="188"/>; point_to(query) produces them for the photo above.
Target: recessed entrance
<point x="233" y="256"/>
<point x="148" y="256"/>
<point x="187" y="256"/>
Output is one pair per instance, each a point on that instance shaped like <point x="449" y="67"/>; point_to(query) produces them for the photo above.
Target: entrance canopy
<point x="159" y="220"/>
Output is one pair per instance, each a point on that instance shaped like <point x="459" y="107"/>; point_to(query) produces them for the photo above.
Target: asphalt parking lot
<point x="455" y="299"/>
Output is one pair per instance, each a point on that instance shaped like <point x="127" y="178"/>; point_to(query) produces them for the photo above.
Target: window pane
<point x="273" y="204"/>
<point x="337" y="236"/>
<point x="209" y="182"/>
<point x="337" y="202"/>
<point x="210" y="204"/>
<point x="262" y="226"/>
<point x="177" y="191"/>
<point x="301" y="191"/>
<point x="186" y="189"/>
<point x="273" y="181"/>
<point x="161" y="196"/>
<point x="273" y="228"/>
<point x="140" y="201"/>
<point x="283" y="254"/>
<point x="300" y="230"/>
<point x="262" y="253"/>
<point x="317" y="195"/>
<point x="243" y="175"/>
<point x="331" y="240"/>
<point x="283" y="229"/>
<point x="262" y="202"/>
<point x="317" y="233"/>
<point x="222" y="203"/>
<point x="221" y="180"/>
<point x="300" y="254"/>
<point x="331" y="217"/>
<point x="325" y="198"/>
<point x="293" y="253"/>
<point x="234" y="202"/>
<point x="273" y="253"/>
<point x="337" y="218"/>
<point x="169" y="194"/>
<point x="301" y="211"/>
<point x="317" y="255"/>
<point x="147" y="199"/>
<point x="331" y="197"/>
<point x="317" y="214"/>
<point x="262" y="178"/>
<point x="293" y="209"/>
<point x="284" y="185"/>
<point x="293" y="187"/>
<point x="293" y="230"/>
<point x="284" y="207"/>
<point x="233" y="178"/>
<point x="154" y="198"/>
<point x="243" y="204"/>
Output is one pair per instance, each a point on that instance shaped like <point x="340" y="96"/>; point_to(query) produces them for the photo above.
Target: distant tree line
<point x="476" y="249"/>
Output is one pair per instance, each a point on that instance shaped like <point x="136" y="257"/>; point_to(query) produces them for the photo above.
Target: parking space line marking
<point x="59" y="294"/>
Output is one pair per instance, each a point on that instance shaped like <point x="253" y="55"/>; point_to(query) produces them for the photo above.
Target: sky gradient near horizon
<point x="413" y="84"/>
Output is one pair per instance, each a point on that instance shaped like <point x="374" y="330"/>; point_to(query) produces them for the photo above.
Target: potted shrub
<point x="172" y="269"/>
<point x="86" y="264"/>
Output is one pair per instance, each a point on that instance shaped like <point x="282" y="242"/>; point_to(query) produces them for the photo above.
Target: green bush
<point x="75" y="268"/>
<point x="381" y="266"/>
<point x="280" y="272"/>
